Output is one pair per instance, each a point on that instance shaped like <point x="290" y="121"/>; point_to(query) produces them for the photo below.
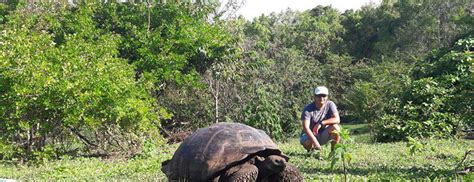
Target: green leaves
<point x="262" y="113"/>
<point x="432" y="104"/>
<point x="341" y="150"/>
<point x="365" y="102"/>
<point x="173" y="46"/>
<point x="73" y="90"/>
<point x="414" y="145"/>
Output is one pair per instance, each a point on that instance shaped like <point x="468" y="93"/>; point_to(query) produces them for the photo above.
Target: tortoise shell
<point x="210" y="151"/>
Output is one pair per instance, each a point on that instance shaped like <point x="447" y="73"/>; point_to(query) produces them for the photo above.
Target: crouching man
<point x="319" y="119"/>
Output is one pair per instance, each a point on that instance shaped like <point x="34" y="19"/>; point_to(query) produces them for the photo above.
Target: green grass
<point x="92" y="169"/>
<point x="384" y="161"/>
<point x="371" y="162"/>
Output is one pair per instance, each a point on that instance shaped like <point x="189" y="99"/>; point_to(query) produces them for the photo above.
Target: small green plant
<point x="415" y="145"/>
<point x="341" y="151"/>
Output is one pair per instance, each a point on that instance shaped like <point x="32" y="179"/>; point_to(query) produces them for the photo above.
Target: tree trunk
<point x="214" y="90"/>
<point x="216" y="100"/>
<point x="443" y="32"/>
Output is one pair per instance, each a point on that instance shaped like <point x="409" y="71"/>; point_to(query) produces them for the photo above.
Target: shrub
<point x="76" y="95"/>
<point x="365" y="102"/>
<point x="262" y="112"/>
<point x="436" y="103"/>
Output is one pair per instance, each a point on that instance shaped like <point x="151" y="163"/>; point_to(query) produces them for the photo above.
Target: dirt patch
<point x="177" y="137"/>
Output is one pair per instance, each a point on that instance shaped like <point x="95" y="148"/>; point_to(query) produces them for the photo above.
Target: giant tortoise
<point x="229" y="152"/>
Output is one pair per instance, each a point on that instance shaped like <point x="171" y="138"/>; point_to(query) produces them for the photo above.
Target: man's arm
<point x="310" y="134"/>
<point x="333" y="120"/>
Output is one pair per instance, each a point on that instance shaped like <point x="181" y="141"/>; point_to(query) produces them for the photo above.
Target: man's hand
<point x="316" y="146"/>
<point x="316" y="129"/>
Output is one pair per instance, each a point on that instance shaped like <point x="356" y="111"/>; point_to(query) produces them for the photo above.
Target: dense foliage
<point x="69" y="96"/>
<point x="84" y="79"/>
<point x="104" y="78"/>
<point x="438" y="102"/>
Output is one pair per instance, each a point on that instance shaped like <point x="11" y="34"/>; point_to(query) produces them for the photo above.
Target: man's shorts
<point x="322" y="137"/>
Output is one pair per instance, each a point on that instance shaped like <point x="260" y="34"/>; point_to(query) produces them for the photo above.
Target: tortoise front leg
<point x="289" y="174"/>
<point x="240" y="173"/>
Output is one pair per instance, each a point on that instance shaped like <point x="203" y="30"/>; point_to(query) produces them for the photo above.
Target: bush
<point x="262" y="112"/>
<point x="365" y="102"/>
<point x="436" y="103"/>
<point x="76" y="95"/>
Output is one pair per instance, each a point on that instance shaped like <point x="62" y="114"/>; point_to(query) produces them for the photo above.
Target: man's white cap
<point x="321" y="90"/>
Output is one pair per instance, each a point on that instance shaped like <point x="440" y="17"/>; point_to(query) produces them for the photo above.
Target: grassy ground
<point x="371" y="161"/>
<point x="384" y="161"/>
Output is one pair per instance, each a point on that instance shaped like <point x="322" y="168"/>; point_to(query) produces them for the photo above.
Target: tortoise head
<point x="270" y="165"/>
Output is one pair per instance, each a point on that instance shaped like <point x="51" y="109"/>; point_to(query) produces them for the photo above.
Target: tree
<point x="69" y="95"/>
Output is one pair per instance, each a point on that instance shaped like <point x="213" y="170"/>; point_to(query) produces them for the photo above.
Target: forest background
<point x="105" y="78"/>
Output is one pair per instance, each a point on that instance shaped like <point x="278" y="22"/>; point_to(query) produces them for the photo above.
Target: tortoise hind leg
<point x="290" y="174"/>
<point x="240" y="173"/>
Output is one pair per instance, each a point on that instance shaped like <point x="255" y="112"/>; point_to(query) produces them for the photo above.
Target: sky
<point x="254" y="8"/>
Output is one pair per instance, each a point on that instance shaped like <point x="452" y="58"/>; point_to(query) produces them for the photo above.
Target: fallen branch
<point x="469" y="152"/>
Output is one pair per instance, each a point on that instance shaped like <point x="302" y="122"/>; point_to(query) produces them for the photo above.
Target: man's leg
<point x="334" y="135"/>
<point x="324" y="136"/>
<point x="307" y="144"/>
